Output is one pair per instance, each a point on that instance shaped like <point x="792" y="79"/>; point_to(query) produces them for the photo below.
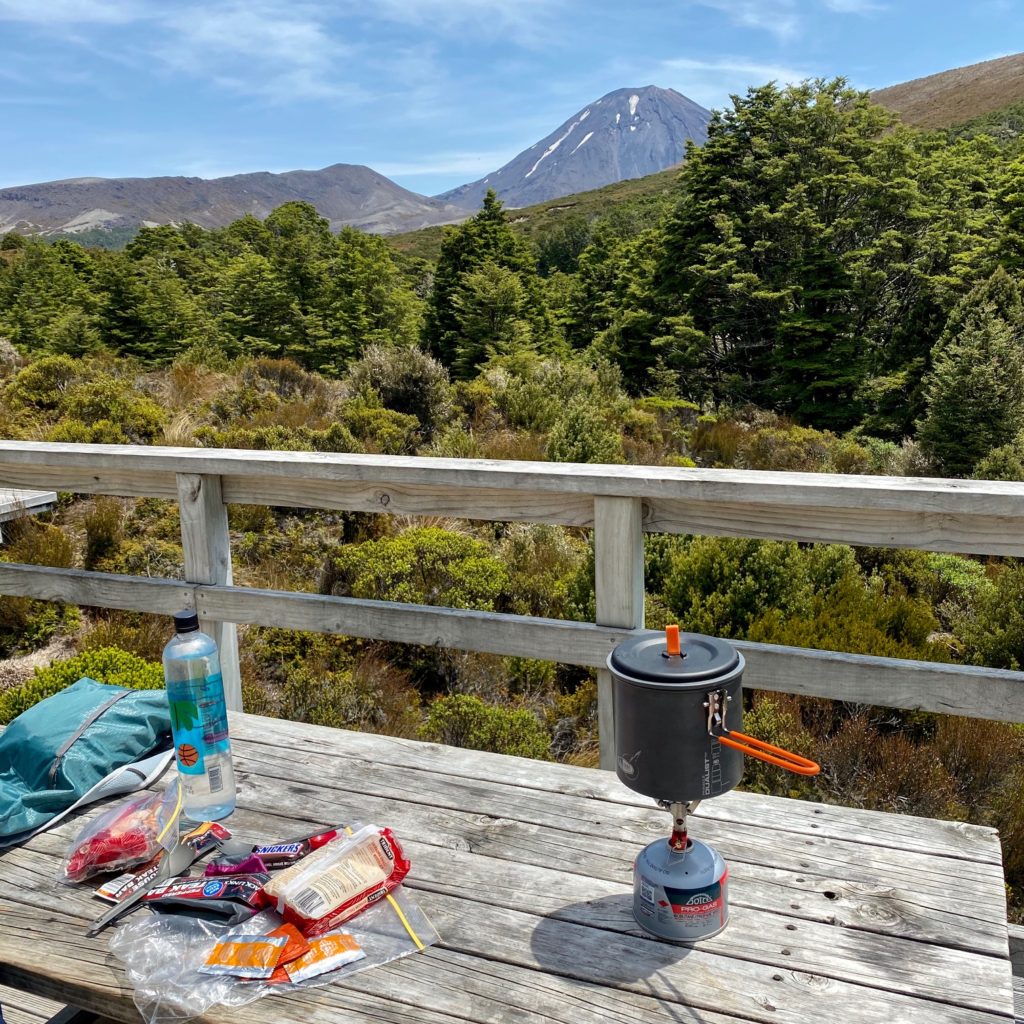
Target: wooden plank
<point x="517" y="635"/>
<point x="96" y="589"/>
<point x="806" y="818"/>
<point x="15" y="504"/>
<point x="437" y="986"/>
<point x="26" y="1008"/>
<point x="826" y="952"/>
<point x="825" y="490"/>
<point x="871" y="525"/>
<point x="82" y="479"/>
<point x="1015" y="933"/>
<point x="1018" y="999"/>
<point x="957" y="515"/>
<point x="398" y="498"/>
<point x="966" y="690"/>
<point x="207" y="549"/>
<point x="619" y="591"/>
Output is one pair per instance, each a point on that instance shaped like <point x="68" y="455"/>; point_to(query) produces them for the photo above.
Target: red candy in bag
<point x="131" y="833"/>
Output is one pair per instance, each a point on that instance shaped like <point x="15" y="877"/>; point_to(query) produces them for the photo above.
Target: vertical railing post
<point x="207" y="546"/>
<point x="619" y="586"/>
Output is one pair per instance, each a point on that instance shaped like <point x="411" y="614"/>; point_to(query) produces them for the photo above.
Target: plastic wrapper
<point x="130" y="833"/>
<point x="338" y="881"/>
<point x="162" y="955"/>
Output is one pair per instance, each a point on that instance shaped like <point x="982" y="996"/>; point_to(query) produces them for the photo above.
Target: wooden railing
<point x="619" y="503"/>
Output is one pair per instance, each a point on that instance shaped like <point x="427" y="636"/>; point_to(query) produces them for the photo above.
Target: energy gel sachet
<point x="327" y="953"/>
<point x="245" y="956"/>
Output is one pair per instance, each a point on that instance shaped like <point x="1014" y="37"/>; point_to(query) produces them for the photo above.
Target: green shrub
<point x="408" y="380"/>
<point x="993" y="629"/>
<point x="42" y="384"/>
<point x="106" y="665"/>
<point x="26" y="625"/>
<point x="775" y="718"/>
<point x="716" y="442"/>
<point x="543" y="562"/>
<point x="465" y="721"/>
<point x="720" y="585"/>
<point x="421" y="566"/>
<point x="584" y="434"/>
<point x="379" y="429"/>
<point x="284" y="377"/>
<point x="100" y="432"/>
<point x="147" y="557"/>
<point x="104" y="529"/>
<point x="113" y="400"/>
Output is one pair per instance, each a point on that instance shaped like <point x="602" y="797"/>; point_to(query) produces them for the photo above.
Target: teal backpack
<point x="85" y="743"/>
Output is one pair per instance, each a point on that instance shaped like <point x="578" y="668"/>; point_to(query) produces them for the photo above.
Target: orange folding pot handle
<point x="766" y="752"/>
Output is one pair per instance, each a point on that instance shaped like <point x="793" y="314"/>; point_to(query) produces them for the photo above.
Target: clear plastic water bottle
<point x="199" y="721"/>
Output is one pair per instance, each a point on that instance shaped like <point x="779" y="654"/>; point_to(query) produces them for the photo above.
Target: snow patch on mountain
<point x="554" y="145"/>
<point x="584" y="139"/>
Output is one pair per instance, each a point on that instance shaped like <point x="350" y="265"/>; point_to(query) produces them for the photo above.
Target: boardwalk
<point x="15" y="504"/>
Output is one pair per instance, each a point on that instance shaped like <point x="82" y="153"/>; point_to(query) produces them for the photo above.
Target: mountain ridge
<point x="627" y="133"/>
<point x="346" y="194"/>
<point x="949" y="98"/>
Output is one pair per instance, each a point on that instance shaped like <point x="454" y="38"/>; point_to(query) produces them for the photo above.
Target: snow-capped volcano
<point x="627" y="134"/>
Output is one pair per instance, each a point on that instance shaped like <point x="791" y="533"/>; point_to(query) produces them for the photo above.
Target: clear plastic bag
<point x="162" y="955"/>
<point x="130" y="833"/>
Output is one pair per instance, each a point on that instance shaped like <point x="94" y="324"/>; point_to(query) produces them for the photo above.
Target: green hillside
<point x="643" y="197"/>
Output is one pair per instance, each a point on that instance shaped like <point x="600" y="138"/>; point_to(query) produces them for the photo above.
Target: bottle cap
<point x="186" y="621"/>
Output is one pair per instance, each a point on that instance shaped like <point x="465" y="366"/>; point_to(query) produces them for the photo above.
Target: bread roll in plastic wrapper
<point x="338" y="881"/>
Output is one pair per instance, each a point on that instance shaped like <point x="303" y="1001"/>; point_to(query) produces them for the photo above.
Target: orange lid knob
<point x="672" y="640"/>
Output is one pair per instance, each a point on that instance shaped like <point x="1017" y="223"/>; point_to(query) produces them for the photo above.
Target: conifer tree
<point x="790" y="218"/>
<point x="491" y="307"/>
<point x="485" y="236"/>
<point x="974" y="394"/>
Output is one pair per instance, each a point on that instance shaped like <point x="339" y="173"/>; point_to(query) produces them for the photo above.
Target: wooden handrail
<point x="619" y="502"/>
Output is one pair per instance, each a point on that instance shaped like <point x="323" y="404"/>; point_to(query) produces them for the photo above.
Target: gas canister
<point x="683" y="895"/>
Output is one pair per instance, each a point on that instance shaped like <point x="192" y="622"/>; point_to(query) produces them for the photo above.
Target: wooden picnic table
<point x="525" y="868"/>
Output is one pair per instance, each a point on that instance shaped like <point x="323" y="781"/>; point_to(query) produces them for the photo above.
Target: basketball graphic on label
<point x="188" y="755"/>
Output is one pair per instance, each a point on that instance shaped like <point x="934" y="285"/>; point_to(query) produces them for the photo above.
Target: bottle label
<point x="199" y="721"/>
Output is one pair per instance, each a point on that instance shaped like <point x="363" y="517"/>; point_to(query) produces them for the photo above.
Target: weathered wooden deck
<point x="850" y="914"/>
<point x="525" y="867"/>
<point x="15" y="504"/>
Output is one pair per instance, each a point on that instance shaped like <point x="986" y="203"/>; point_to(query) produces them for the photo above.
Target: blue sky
<point x="430" y="92"/>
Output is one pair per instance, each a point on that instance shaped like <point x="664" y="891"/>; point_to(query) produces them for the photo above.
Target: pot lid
<point x="673" y="657"/>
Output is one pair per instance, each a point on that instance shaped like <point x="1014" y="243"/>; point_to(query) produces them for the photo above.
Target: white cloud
<point x="471" y="164"/>
<point x="779" y="17"/>
<point x="280" y="51"/>
<point x="66" y="12"/>
<point x="711" y="82"/>
<point x="854" y="6"/>
<point x="525" y="20"/>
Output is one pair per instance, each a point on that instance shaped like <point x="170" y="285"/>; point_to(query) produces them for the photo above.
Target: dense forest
<point x="821" y="289"/>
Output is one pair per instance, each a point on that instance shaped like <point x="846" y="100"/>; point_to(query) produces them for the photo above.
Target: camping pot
<point x="678" y="701"/>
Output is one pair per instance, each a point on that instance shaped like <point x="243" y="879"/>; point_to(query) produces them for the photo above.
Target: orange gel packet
<point x="327" y="953"/>
<point x="245" y="956"/>
<point x="295" y="945"/>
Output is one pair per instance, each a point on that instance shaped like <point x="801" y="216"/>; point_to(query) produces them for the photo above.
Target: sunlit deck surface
<point x="16" y="503"/>
<point x="525" y="869"/>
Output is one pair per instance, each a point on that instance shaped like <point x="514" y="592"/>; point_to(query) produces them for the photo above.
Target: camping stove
<point x="678" y="712"/>
<point x="680" y="885"/>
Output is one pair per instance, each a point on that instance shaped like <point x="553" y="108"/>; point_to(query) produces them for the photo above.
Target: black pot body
<point x="662" y="745"/>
